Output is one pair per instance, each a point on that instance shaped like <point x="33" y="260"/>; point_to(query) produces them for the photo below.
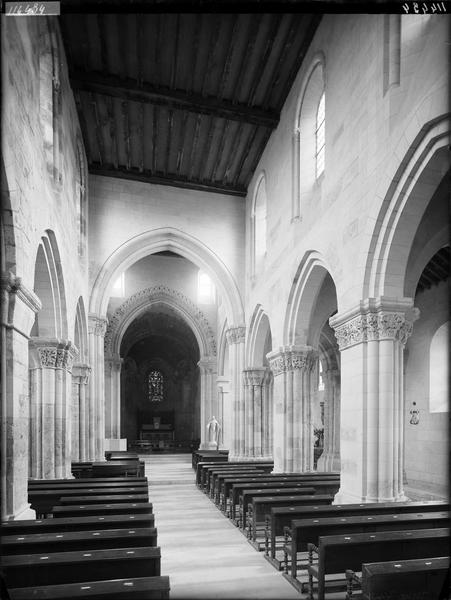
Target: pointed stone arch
<point x="148" y="297"/>
<point x="174" y="240"/>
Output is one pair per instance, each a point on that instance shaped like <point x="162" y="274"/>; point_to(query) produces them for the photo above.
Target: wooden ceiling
<point x="437" y="270"/>
<point x="187" y="100"/>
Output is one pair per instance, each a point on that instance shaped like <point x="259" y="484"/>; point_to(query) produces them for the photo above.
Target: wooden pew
<point x="68" y="541"/>
<point x="213" y="455"/>
<point x="201" y="466"/>
<point x="120" y="455"/>
<point x="42" y="500"/>
<point x="103" y="499"/>
<point x="78" y="523"/>
<point x="141" y="588"/>
<point x="85" y="510"/>
<point x="207" y="470"/>
<point x="301" y="532"/>
<point x="247" y="495"/>
<point x="81" y="470"/>
<point x="29" y="570"/>
<point x="336" y="554"/>
<point x="213" y="475"/>
<point x="87" y="482"/>
<point x="241" y="492"/>
<point x="319" y="487"/>
<point x="226" y="484"/>
<point x="218" y="488"/>
<point x="121" y="468"/>
<point x="279" y="517"/>
<point x="261" y="505"/>
<point x="427" y="579"/>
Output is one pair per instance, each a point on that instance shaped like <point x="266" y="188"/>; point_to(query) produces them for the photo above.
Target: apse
<point x="160" y="400"/>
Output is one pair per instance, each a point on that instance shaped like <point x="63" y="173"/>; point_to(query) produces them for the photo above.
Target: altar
<point x="157" y="435"/>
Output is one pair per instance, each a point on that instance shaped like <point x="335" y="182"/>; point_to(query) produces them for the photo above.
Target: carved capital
<point x="236" y="335"/>
<point x="114" y="363"/>
<point x="81" y="373"/>
<point x="53" y="354"/>
<point x="375" y="319"/>
<point x="254" y="376"/>
<point x="290" y="358"/>
<point x="97" y="325"/>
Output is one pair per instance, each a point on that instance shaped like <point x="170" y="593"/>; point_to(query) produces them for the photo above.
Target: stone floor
<point x="203" y="553"/>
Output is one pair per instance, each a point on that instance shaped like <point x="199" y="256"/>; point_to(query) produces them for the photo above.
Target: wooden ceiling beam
<point x="167" y="154"/>
<point x="141" y="137"/>
<point x="195" y="52"/>
<point x="194" y="146"/>
<point x="154" y="138"/>
<point x="102" y="42"/>
<point x="181" y="147"/>
<point x="247" y="148"/>
<point x="212" y="46"/>
<point x="127" y="89"/>
<point x="228" y="60"/>
<point x="174" y="66"/>
<point x="233" y="151"/>
<point x="255" y="27"/>
<point x="172" y="180"/>
<point x="223" y="137"/>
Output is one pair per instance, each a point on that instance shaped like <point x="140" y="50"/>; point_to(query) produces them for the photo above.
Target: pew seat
<point x="301" y="532"/>
<point x="79" y="510"/>
<point x="140" y="588"/>
<point x="104" y="499"/>
<point x="280" y="517"/>
<point x="66" y="541"/>
<point x="87" y="481"/>
<point x="29" y="570"/>
<point x="415" y="579"/>
<point x="84" y="523"/>
<point x="335" y="554"/>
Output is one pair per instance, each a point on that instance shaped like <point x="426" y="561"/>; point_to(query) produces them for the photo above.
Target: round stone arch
<point x="179" y="242"/>
<point x="421" y="170"/>
<point x="307" y="283"/>
<point x="117" y="326"/>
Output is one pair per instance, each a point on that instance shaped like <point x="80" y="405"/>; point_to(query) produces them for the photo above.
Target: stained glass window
<point x="155" y="386"/>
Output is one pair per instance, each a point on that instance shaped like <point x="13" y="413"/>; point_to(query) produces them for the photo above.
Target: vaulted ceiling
<point x="188" y="100"/>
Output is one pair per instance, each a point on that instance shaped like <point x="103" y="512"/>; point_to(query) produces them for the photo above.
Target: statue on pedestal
<point x="213" y="428"/>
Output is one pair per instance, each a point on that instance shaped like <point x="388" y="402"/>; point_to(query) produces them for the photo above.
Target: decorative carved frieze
<point x="148" y="296"/>
<point x="236" y="335"/>
<point x="290" y="358"/>
<point x="373" y="323"/>
<point x="97" y="325"/>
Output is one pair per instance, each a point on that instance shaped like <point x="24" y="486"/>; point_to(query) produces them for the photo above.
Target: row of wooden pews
<point x="97" y="541"/>
<point x="365" y="551"/>
<point x="118" y="463"/>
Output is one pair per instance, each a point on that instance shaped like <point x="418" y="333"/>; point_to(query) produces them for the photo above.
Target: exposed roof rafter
<point x="127" y="89"/>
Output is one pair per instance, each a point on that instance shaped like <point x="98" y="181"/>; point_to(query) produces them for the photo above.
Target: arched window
<point x="438" y="370"/>
<point x="259" y="225"/>
<point x="320" y="135"/>
<point x="309" y="140"/>
<point x="155" y="386"/>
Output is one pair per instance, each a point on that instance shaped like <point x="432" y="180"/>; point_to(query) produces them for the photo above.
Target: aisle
<point x="203" y="553"/>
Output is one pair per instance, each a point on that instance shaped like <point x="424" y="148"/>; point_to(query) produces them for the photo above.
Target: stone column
<point x="235" y="338"/>
<point x="330" y="458"/>
<point x="371" y="338"/>
<point x="113" y="367"/>
<point x="80" y="412"/>
<point x="51" y="407"/>
<point x="96" y="329"/>
<point x="18" y="306"/>
<point x="268" y="410"/>
<point x="254" y="404"/>
<point x="208" y="398"/>
<point x="293" y="427"/>
<point x="224" y="412"/>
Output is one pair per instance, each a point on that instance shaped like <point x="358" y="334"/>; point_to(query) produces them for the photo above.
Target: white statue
<point x="213" y="428"/>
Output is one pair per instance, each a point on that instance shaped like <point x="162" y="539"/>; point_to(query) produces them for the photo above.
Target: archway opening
<point x="160" y="401"/>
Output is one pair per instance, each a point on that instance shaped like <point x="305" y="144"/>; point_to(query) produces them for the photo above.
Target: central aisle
<point x="203" y="553"/>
